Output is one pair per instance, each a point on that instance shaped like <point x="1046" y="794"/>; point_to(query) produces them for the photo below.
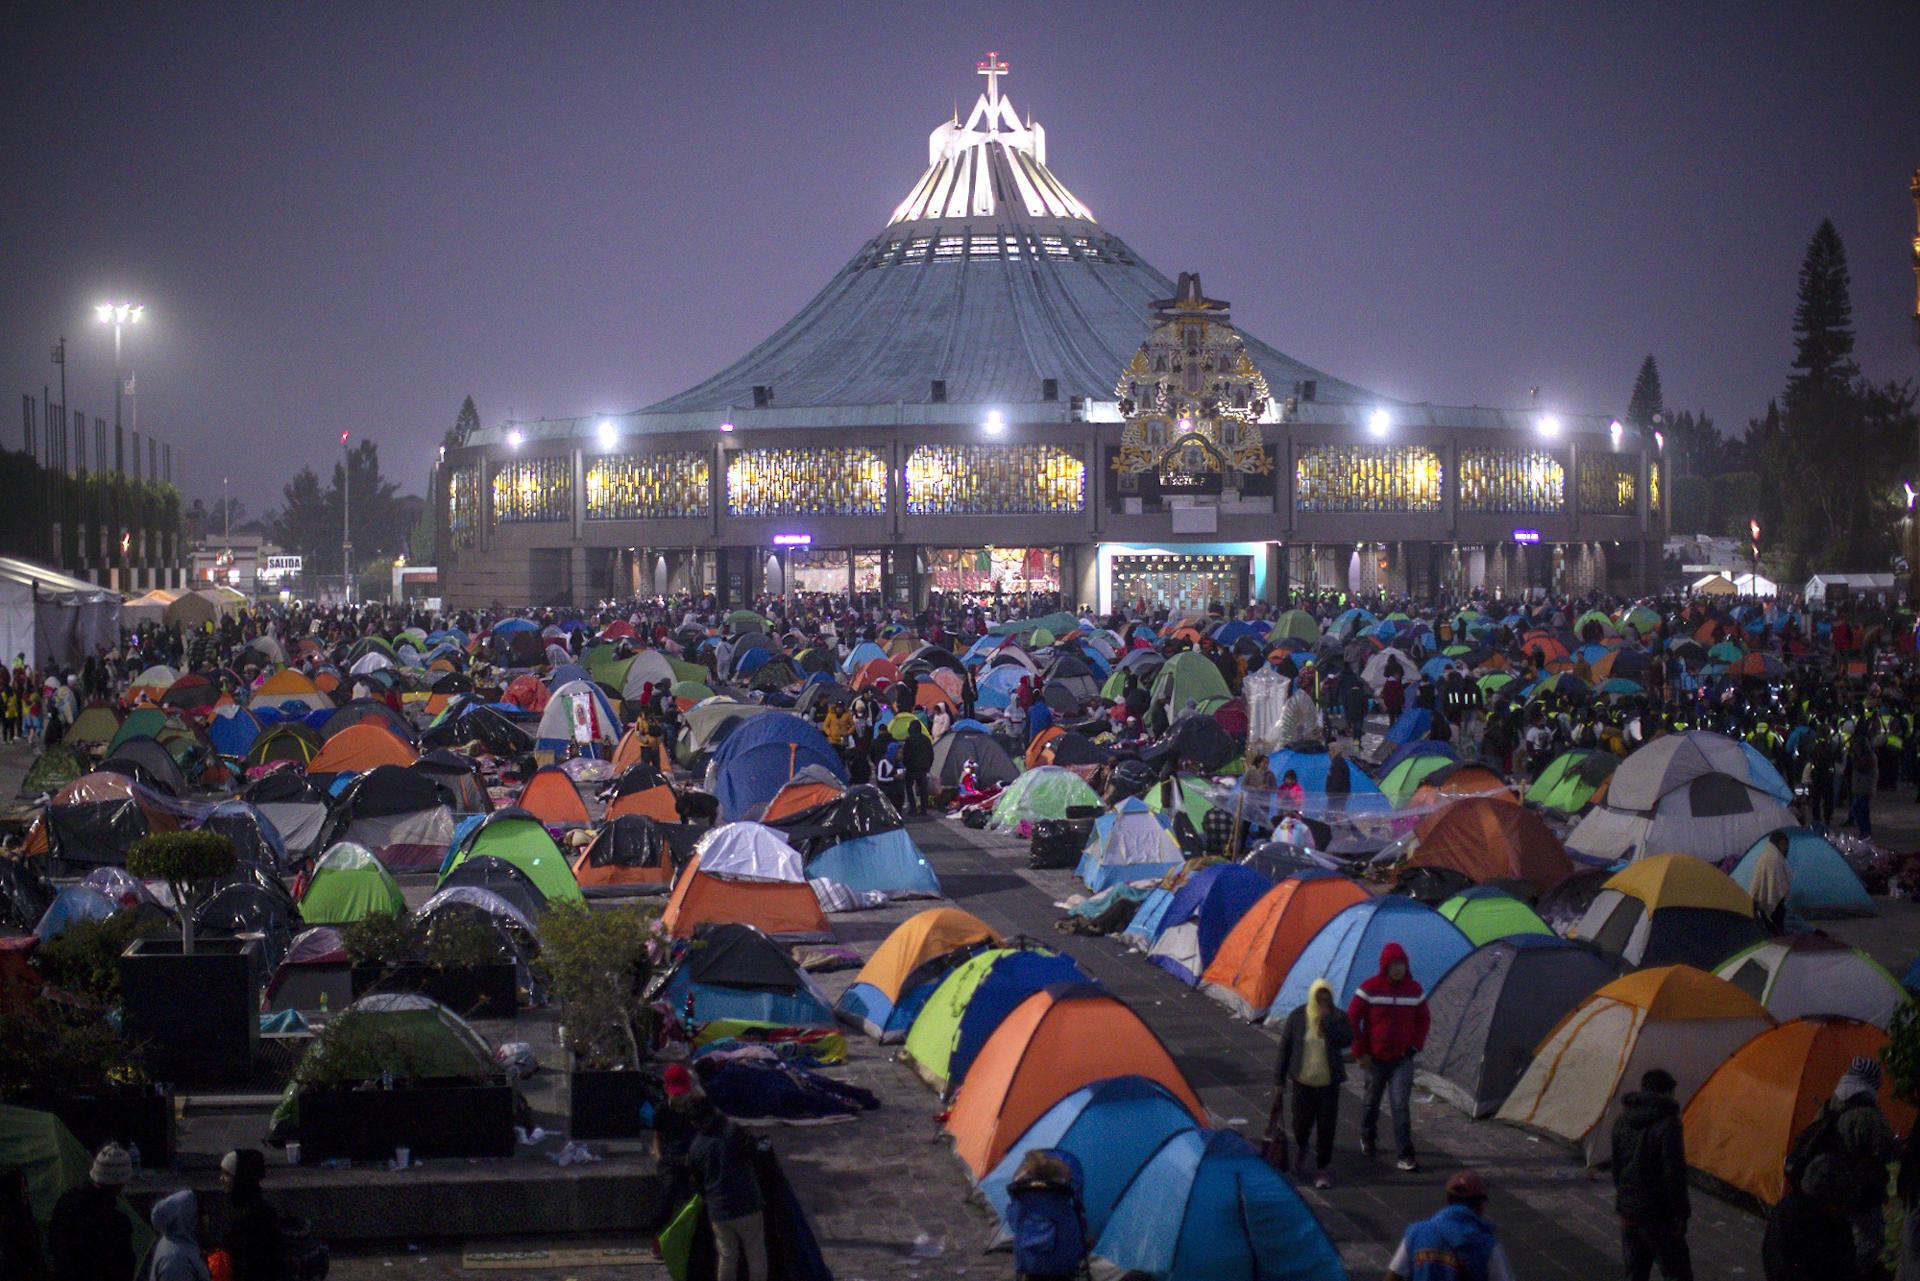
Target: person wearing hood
<point x="1311" y="1072"/>
<point x="176" y="1257"/>
<point x="1650" y="1181"/>
<point x="1808" y="1237"/>
<point x="89" y="1238"/>
<point x="1390" y="1021"/>
<point x="1772" y="883"/>
<point x="252" y="1230"/>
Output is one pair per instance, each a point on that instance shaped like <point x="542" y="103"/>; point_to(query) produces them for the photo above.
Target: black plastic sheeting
<point x="729" y="955"/>
<point x="486" y="872"/>
<point x="1562" y="906"/>
<point x="634" y="840"/>
<point x="1198" y="738"/>
<point x="100" y="832"/>
<point x="244" y="908"/>
<point x="476" y="722"/>
<point x="25" y="895"/>
<point x="859" y="811"/>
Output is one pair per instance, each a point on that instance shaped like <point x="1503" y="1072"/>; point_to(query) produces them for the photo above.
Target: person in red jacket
<point x="1389" y="1018"/>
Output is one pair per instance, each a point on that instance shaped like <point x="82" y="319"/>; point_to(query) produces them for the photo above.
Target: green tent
<point x="144" y="722"/>
<point x="40" y="1146"/>
<point x="55" y="768"/>
<point x="94" y="727"/>
<point x="1059" y="624"/>
<point x="399" y="1032"/>
<point x="683" y="670"/>
<point x="1493" y="682"/>
<point x="694" y="690"/>
<point x="1484" y="915"/>
<point x="1570" y="779"/>
<point x="1400" y="781"/>
<point x="936" y="1029"/>
<point x="1192" y="798"/>
<point x="1295" y="624"/>
<point x="1188" y="676"/>
<point x="1606" y="624"/>
<point x="523" y="842"/>
<point x="349" y="884"/>
<point x="1046" y="792"/>
<point x="1641" y="619"/>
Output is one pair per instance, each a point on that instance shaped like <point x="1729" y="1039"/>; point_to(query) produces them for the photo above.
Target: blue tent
<point x="1205" y="1207"/>
<point x="1114" y="1126"/>
<point x="860" y="655"/>
<point x="74" y="903"/>
<point x="1144" y="929"/>
<point x="1130" y="842"/>
<point x="887" y="862"/>
<point x="1414" y="724"/>
<point x="568" y="672"/>
<point x="757" y="759"/>
<point x="739" y="973"/>
<point x="1912" y="981"/>
<point x="1012" y="979"/>
<point x="1346" y="951"/>
<point x="232" y="731"/>
<point x="1762" y="774"/>
<point x="1202" y="912"/>
<point x="995" y="689"/>
<point x="1822" y="883"/>
<point x="1351" y="621"/>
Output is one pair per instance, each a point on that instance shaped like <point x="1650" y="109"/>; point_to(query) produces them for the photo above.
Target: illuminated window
<point x="1368" y="478"/>
<point x="463" y="507"/>
<point x="1653" y="488"/>
<point x="1524" y="481"/>
<point x="646" y="486"/>
<point x="807" y="482"/>
<point x="533" y="490"/>
<point x="1606" y="485"/>
<point x="994" y="480"/>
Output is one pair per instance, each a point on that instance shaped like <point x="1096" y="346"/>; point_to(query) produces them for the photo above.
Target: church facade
<point x="997" y="396"/>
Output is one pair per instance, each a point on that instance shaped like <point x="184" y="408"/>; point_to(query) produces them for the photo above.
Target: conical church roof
<point x="990" y="280"/>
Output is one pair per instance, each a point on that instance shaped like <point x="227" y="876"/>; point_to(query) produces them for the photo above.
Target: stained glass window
<point x="647" y="486"/>
<point x="1511" y="480"/>
<point x="463" y="508"/>
<point x="994" y="480"/>
<point x="1606" y="485"/>
<point x="1653" y="488"/>
<point x="807" y="482"/>
<point x="1368" y="478"/>
<point x="533" y="490"/>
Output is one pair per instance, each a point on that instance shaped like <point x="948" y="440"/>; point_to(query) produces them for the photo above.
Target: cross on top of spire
<point x="993" y="68"/>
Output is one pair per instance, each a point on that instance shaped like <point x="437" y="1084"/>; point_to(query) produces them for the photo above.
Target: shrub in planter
<point x="190" y="863"/>
<point x="455" y="960"/>
<point x="72" y="1063"/>
<point x="598" y="965"/>
<point x="83" y="960"/>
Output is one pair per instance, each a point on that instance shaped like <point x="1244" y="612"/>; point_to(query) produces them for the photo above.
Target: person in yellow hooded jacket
<point x="1310" y="1072"/>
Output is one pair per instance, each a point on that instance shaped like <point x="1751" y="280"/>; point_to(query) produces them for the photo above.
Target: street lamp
<point x="346" y="522"/>
<point x="1614" y="429"/>
<point x="514" y="439"/>
<point x="119" y="315"/>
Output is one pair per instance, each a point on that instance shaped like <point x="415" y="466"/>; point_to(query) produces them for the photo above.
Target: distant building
<point x="247" y="562"/>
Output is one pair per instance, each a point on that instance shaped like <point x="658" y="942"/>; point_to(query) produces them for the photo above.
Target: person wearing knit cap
<point x="251" y="1231"/>
<point x="88" y="1237"/>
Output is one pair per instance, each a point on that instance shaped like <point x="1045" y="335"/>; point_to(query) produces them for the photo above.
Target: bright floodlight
<point x="1377" y="422"/>
<point x="995" y="423"/>
<point x="1911" y="494"/>
<point x="514" y="438"/>
<point x="726" y="426"/>
<point x="1613" y="430"/>
<point x="104" y="312"/>
<point x="1549" y="425"/>
<point x="607" y="435"/>
<point x="1659" y="440"/>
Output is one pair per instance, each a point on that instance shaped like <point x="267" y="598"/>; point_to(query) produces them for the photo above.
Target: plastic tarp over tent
<point x="1129" y="843"/>
<point x="52" y="617"/>
<point x="1698" y="792"/>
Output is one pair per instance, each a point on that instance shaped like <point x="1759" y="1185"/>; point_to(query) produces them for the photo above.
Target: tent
<point x="1056" y="1041"/>
<point x="759" y="757"/>
<point x="1822" y="884"/>
<point x="418" y="1038"/>
<point x="517" y="837"/>
<point x="1346" y="952"/>
<point x="289" y="741"/>
<point x="233" y="731"/>
<point x="1252" y="961"/>
<point x="349" y="884"/>
<point x="894" y="984"/>
<point x="1743" y="1120"/>
<point x="43" y="1149"/>
<point x="551" y="797"/>
<point x="1673" y="1017"/>
<point x="1402" y="778"/>
<point x="1570" y="780"/>
<point x="952" y="750"/>
<point x="970" y="1003"/>
<point x="1129" y="843"/>
<point x="1199" y="916"/>
<point x="401" y="815"/>
<point x="296" y="808"/>
<point x="52" y="617"/>
<point x="95" y="726"/>
<point x="499" y="878"/>
<point x="72" y="904"/>
<point x="1047" y="792"/>
<point x="735" y="972"/>
<point x="255" y="839"/>
<point x="578" y="713"/>
<point x="1188" y="677"/>
<point x="1485" y="914"/>
<point x="96" y="819"/>
<point x="1672" y="909"/>
<point x="631" y="853"/>
<point x="786" y="909"/>
<point x="1698" y="792"/>
<point x="1487" y="840"/>
<point x="286" y="688"/>
<point x="460" y="777"/>
<point x="1113" y="1126"/>
<point x="1459" y="780"/>
<point x="1814" y="974"/>
<point x="361" y="747"/>
<point x="1494" y="1007"/>
<point x="1206" y="1207"/>
<point x="885" y="862"/>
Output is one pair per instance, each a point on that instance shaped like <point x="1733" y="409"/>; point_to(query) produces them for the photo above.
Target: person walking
<point x="720" y="1158"/>
<point x="1390" y="1021"/>
<point x="916" y="759"/>
<point x="1863" y="776"/>
<point x="1457" y="1244"/>
<point x="1650" y="1181"/>
<point x="88" y="1237"/>
<point x="1310" y="1073"/>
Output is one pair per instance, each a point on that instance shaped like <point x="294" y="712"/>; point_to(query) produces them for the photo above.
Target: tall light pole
<point x="119" y="315"/>
<point x="346" y="521"/>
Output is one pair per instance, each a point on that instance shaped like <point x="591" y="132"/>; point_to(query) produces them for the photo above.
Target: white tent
<point x="1713" y="585"/>
<point x="1824" y="589"/>
<point x="1128" y="843"/>
<point x="1389" y="661"/>
<point x="649" y="667"/>
<point x="751" y="852"/>
<point x="52" y="618"/>
<point x="151" y="608"/>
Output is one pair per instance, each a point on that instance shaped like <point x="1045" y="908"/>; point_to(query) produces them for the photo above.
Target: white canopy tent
<point x="51" y="617"/>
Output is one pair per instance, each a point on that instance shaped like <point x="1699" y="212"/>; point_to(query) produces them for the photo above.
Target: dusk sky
<point x="349" y="216"/>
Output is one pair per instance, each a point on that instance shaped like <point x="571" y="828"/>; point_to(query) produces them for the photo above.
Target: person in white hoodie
<point x="177" y="1255"/>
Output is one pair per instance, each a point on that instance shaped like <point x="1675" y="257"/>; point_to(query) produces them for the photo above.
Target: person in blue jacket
<point x="1457" y="1244"/>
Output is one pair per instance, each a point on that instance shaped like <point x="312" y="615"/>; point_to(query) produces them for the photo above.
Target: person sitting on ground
<point x="1457" y="1244"/>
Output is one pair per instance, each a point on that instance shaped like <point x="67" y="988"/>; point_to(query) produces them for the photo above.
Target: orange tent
<point x="551" y="797"/>
<point x="359" y="748"/>
<point x="1741" y="1123"/>
<point x="634" y="853"/>
<point x="1053" y="1043"/>
<point x="1037" y="749"/>
<point x="631" y="750"/>
<point x="528" y="691"/>
<point x="800" y="794"/>
<point x="326" y="681"/>
<point x="781" y="909"/>
<point x="929" y="695"/>
<point x="1469" y="778"/>
<point x="1544" y="646"/>
<point x="1489" y="840"/>
<point x="657" y="803"/>
<point x="873" y="671"/>
<point x="1253" y="960"/>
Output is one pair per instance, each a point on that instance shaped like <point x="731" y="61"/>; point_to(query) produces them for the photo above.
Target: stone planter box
<point x="195" y="1018"/>
<point x="433" y="1118"/>
<point x="122" y="1114"/>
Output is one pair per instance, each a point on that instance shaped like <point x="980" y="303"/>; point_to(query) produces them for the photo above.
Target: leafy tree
<point x="307" y="523"/>
<point x="464" y="425"/>
<point x="1645" y="408"/>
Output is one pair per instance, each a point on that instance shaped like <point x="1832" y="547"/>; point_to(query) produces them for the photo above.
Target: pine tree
<point x="1822" y="322"/>
<point x="1647" y="405"/>
<point x="465" y="424"/>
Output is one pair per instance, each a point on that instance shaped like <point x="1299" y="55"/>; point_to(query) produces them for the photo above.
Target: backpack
<point x="1820" y="1138"/>
<point x="1044" y="1215"/>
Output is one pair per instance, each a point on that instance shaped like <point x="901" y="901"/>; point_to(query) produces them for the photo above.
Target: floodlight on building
<point x="515" y="439"/>
<point x="1660" y="441"/>
<point x="727" y="425"/>
<point x="1911" y="493"/>
<point x="1549" y="426"/>
<point x="608" y="437"/>
<point x="1378" y="422"/>
<point x="1614" y="429"/>
<point x="996" y="423"/>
